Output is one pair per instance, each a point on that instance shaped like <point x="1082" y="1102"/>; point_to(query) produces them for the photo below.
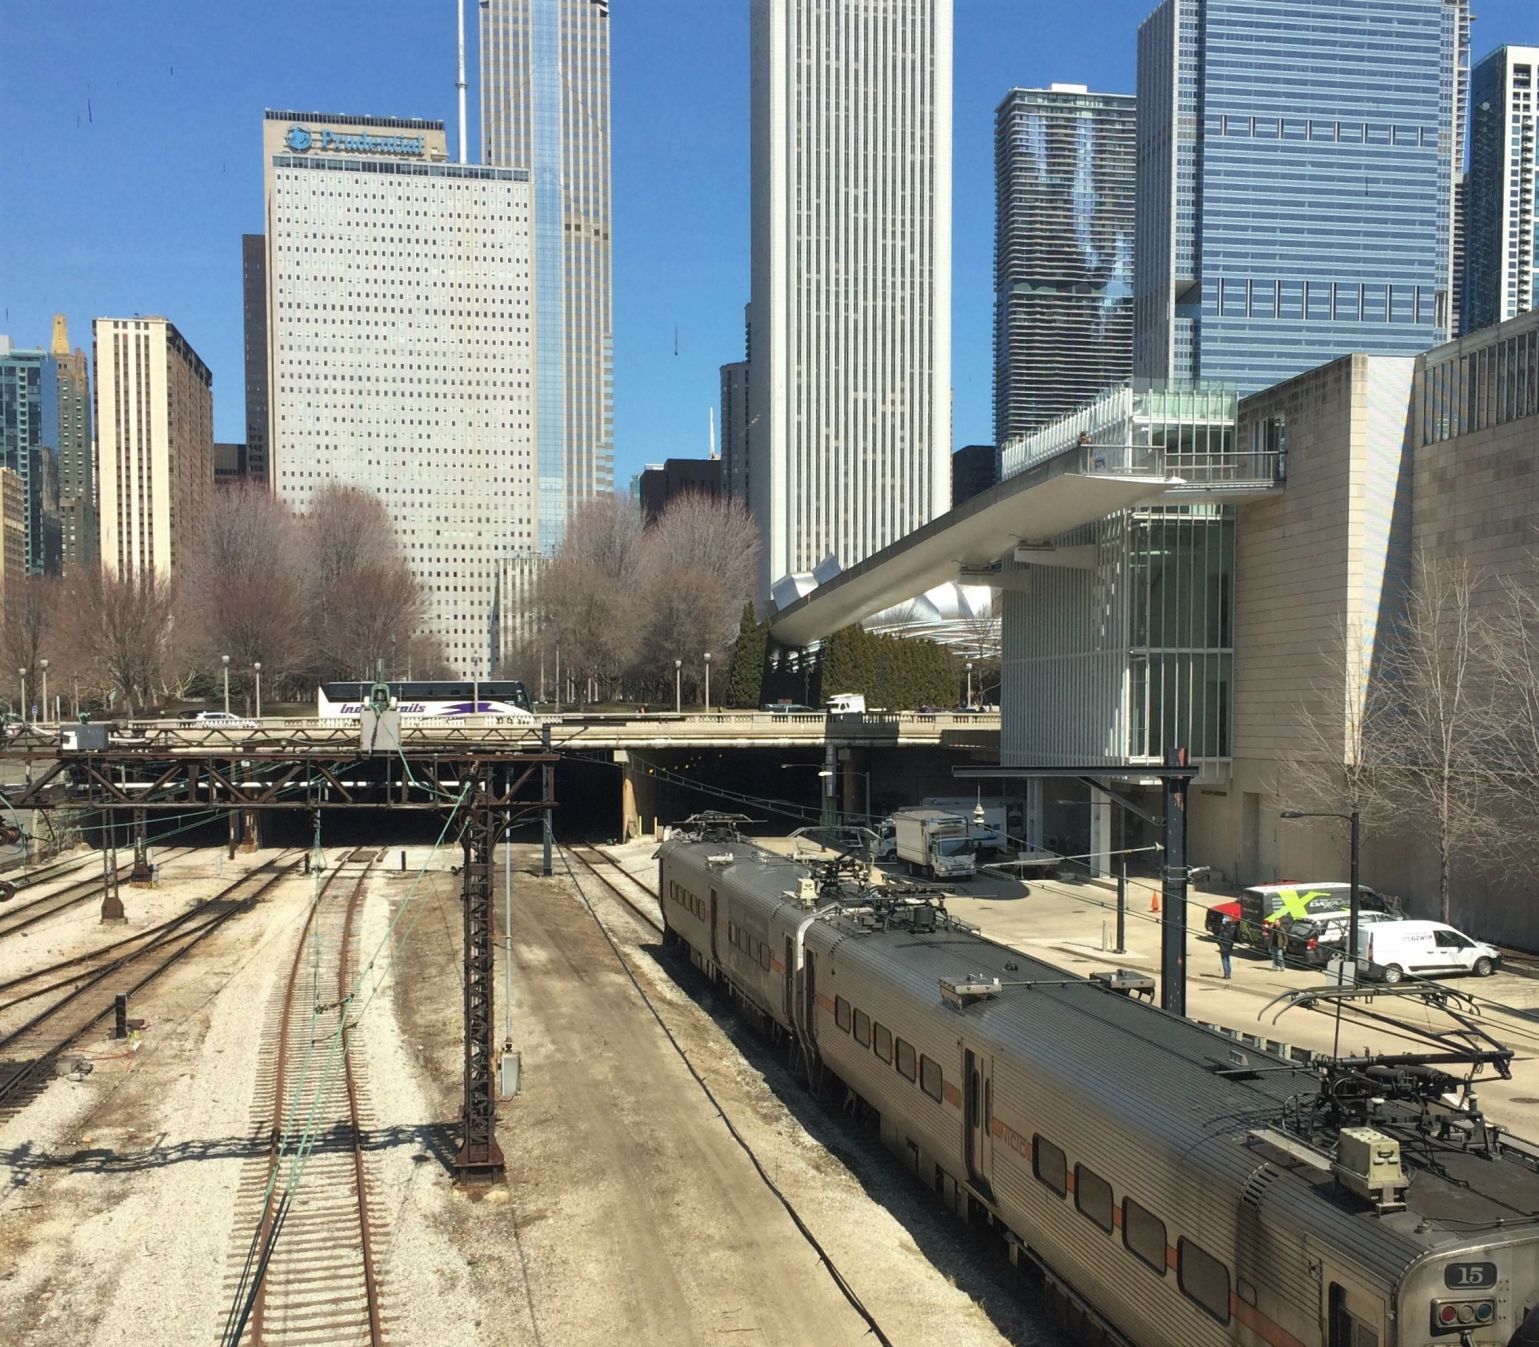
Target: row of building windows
<point x="1329" y="131"/>
<point x="1487" y="387"/>
<point x="1203" y="1279"/>
<point x="895" y="1052"/>
<point x="1329" y="301"/>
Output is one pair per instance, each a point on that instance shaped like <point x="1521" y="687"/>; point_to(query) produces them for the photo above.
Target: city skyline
<point x="143" y="110"/>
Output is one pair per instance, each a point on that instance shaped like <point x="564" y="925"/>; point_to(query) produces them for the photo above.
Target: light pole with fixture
<point x="226" y="661"/>
<point x="708" y="682"/>
<point x="258" y="667"/>
<point x="23" y="696"/>
<point x="678" y="687"/>
<point x="43" y="665"/>
<point x="1353" y="909"/>
<point x="969" y="685"/>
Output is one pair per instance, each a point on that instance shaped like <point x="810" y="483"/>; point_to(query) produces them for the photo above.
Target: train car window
<point x="732" y="933"/>
<point x="1203" y="1278"/>
<point x="842" y="1013"/>
<point x="863" y="1028"/>
<point x="930" y="1078"/>
<point x="906" y="1060"/>
<point x="1143" y="1234"/>
<point x="764" y="958"/>
<point x="881" y="1041"/>
<point x="1049" y="1164"/>
<point x="1093" y="1197"/>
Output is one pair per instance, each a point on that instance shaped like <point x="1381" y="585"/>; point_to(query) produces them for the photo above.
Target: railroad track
<point x="79" y="994"/>
<point x="585" y="855"/>
<point x="16" y="917"/>
<point x="304" y="1269"/>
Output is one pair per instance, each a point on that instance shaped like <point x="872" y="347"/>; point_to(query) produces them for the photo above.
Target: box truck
<point x="935" y="844"/>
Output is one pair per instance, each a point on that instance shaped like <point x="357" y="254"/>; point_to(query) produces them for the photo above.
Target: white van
<point x="1391" y="949"/>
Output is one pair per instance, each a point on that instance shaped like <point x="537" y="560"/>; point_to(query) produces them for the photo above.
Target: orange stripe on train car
<point x="825" y="1001"/>
<point x="951" y="1094"/>
<point x="1260" y="1325"/>
<point x="776" y="966"/>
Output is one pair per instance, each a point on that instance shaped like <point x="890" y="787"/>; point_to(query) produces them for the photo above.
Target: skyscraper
<point x="75" y="449"/>
<point x="734" y="431"/>
<point x="1296" y="183"/>
<point x="29" y="438"/>
<point x="399" y="329"/>
<point x="155" y="444"/>
<point x="1503" y="225"/>
<point x="850" y="371"/>
<point x="545" y="109"/>
<point x="253" y="257"/>
<point x="1063" y="252"/>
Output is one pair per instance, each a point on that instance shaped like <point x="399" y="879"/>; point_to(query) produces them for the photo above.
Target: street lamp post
<point x="43" y="665"/>
<point x="24" y="702"/>
<point x="708" y="682"/>
<point x="678" y="687"/>
<point x="969" y="685"/>
<point x="1354" y="905"/>
<point x="226" y="661"/>
<point x="258" y="667"/>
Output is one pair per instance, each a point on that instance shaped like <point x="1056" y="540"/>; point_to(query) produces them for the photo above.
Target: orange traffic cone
<point x="1154" y="901"/>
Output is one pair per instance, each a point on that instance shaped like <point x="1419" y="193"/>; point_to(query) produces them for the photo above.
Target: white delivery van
<point x="1392" y="949"/>
<point x="846" y="704"/>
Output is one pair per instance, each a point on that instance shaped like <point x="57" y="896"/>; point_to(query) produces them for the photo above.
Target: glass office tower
<point x="1504" y="164"/>
<point x="1296" y="183"/>
<point x="1063" y="252"/>
<point x="545" y="108"/>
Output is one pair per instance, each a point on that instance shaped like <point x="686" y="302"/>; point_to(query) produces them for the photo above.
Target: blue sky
<point x="131" y="165"/>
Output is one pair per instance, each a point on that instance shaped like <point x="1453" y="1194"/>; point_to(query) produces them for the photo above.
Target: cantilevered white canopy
<point x="1025" y="511"/>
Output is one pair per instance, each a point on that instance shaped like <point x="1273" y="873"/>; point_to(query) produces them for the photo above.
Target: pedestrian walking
<point x="1226" y="944"/>
<point x="1277" y="941"/>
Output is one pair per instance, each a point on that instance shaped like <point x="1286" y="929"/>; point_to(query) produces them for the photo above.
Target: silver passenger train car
<point x="1173" y="1191"/>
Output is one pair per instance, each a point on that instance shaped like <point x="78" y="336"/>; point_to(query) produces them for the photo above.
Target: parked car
<point x="1264" y="903"/>
<point x="1422" y="948"/>
<point x="788" y="708"/>
<point x="1313" y="940"/>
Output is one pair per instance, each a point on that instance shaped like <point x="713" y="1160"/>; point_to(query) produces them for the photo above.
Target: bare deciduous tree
<point x="590" y="607"/>
<point x="362" y="600"/>
<point x="27" y="630"/>
<point x="243" y="589"/>
<point x="1513" y="625"/>
<point x="698" y="568"/>
<point x="1439" y="748"/>
<point x="120" y="634"/>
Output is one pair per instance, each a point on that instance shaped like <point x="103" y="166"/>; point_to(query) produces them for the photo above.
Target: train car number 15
<point x="1469" y="1276"/>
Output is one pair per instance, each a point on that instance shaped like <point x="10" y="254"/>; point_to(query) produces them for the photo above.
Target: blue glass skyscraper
<point x="1296" y="183"/>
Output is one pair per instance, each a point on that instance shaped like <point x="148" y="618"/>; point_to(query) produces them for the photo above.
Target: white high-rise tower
<point x="1502" y="247"/>
<point x="850" y="372"/>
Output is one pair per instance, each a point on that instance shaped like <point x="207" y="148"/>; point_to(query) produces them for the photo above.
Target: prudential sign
<point x="302" y="139"/>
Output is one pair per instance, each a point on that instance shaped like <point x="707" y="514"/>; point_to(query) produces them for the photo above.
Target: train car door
<point x="789" y="982"/>
<point x="1353" y="1317"/>
<point x="978" y="1108"/>
<point x="715" y="958"/>
<point x="810" y="996"/>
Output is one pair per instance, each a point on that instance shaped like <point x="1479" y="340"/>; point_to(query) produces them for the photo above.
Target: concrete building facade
<point x="1063" y="252"/>
<point x="1296" y="184"/>
<point x="401" y="350"/>
<point x="1502" y="245"/>
<point x="13" y="539"/>
<point x="155" y="444"/>
<point x="850" y="366"/>
<point x="545" y="110"/>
